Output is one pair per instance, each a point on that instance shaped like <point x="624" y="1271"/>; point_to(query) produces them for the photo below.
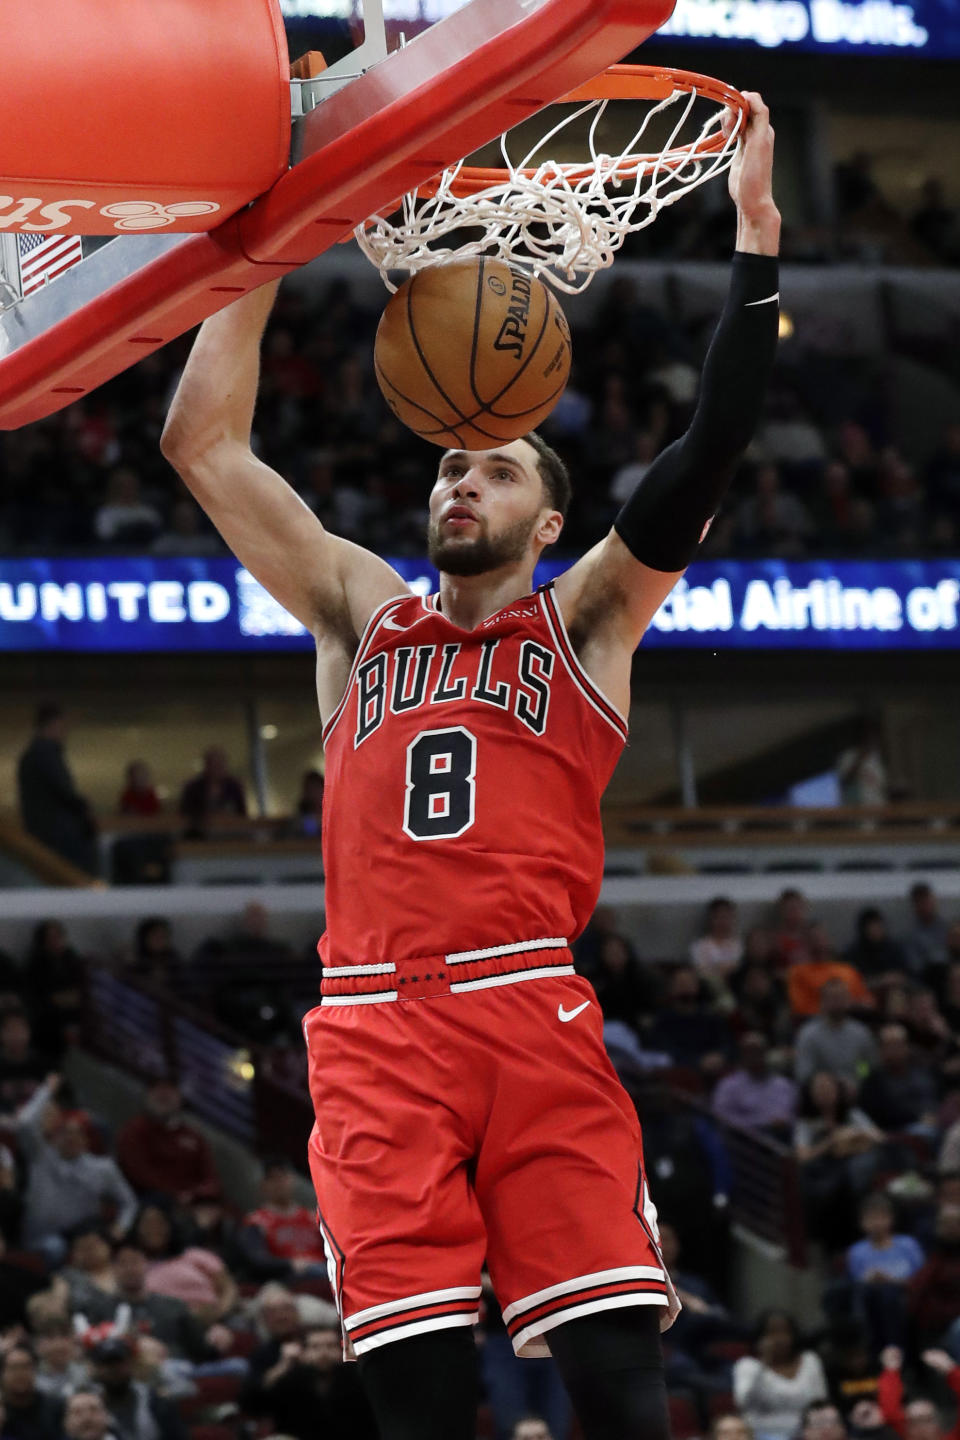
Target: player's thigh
<point x="389" y="1161"/>
<point x="559" y="1177"/>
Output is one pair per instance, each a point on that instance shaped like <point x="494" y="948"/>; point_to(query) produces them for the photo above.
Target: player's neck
<point x="468" y="600"/>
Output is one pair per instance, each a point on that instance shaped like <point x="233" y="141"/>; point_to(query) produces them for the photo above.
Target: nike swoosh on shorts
<point x="566" y="1015"/>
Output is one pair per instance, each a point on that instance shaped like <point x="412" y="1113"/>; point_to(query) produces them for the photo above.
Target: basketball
<point x="473" y="353"/>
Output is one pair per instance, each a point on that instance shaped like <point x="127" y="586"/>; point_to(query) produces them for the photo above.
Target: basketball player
<point x="465" y="1106"/>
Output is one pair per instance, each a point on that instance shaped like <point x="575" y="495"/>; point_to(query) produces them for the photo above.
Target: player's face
<point x="485" y="509"/>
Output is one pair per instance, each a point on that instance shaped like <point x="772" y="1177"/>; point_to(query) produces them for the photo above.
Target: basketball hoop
<point x="568" y="218"/>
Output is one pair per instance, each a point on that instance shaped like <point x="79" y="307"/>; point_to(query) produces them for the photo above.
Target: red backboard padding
<point x="142" y="105"/>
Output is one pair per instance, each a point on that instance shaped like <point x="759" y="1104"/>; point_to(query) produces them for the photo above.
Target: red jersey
<point x="291" y="1234"/>
<point x="464" y="770"/>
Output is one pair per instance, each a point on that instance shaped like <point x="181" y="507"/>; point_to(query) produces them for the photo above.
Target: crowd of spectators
<point x="825" y="475"/>
<point x="137" y="1298"/>
<point x="845" y="1063"/>
<point x="53" y="810"/>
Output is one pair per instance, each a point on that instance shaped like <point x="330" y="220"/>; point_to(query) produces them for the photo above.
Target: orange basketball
<point x="472" y="353"/>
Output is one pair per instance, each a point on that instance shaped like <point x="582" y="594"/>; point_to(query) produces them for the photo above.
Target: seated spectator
<point x="310" y="804"/>
<point x="85" y="1416"/>
<point x="89" y="1272"/>
<point x="837" y="1147"/>
<point x="934" y="1293"/>
<point x="160" y="1316"/>
<point x="790" y="929"/>
<point x="245" y="978"/>
<point x="918" y="1420"/>
<point x="19" y="1282"/>
<point x="60" y="1368"/>
<point x="280" y="1238"/>
<point x="214" y="791"/>
<point x="806" y="978"/>
<point x="160" y="1152"/>
<point x="861" y="769"/>
<point x="626" y="989"/>
<point x="125" y="518"/>
<point x="186" y="533"/>
<point x="136" y="1411"/>
<point x="278" y="1321"/>
<point x="66" y="1185"/>
<point x="139" y="795"/>
<point x="930" y="1034"/>
<point x="761" y="1003"/>
<point x="773" y="521"/>
<point x="718" y="951"/>
<point x="54" y="976"/>
<point x="31" y="1414"/>
<point x="878" y="958"/>
<point x="155" y="957"/>
<point x="900" y="1093"/>
<point x="773" y="1387"/>
<point x="833" y="1041"/>
<point x="192" y="1274"/>
<point x="22" y="1068"/>
<point x="926" y="942"/>
<point x="687" y="1029"/>
<point x="822" y="1421"/>
<point x="311" y="1392"/>
<point x="753" y="1096"/>
<point x="853" y="1372"/>
<point x="879" y="1266"/>
<point x="531" y="1427"/>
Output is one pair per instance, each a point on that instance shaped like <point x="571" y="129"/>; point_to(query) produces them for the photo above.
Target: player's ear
<point x="551" y="523"/>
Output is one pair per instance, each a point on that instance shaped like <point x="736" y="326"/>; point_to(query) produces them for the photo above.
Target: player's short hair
<point x="553" y="473"/>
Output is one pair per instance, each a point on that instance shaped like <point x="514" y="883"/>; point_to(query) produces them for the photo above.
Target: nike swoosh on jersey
<point x="390" y="624"/>
<point x="767" y="300"/>
<point x="566" y="1015"/>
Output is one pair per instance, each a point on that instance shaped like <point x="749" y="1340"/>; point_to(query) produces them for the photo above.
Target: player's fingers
<point x="758" y="106"/>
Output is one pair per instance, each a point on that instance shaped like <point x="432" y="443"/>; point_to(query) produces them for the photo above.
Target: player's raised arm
<point x="620" y="584"/>
<point x="329" y="584"/>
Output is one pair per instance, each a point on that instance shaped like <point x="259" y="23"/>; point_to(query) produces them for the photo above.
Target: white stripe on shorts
<point x="491" y="980"/>
<point x="462" y="957"/>
<point x="583" y="1282"/>
<point x="588" y="1307"/>
<point x="412" y="1302"/>
<point x="415" y="1327"/>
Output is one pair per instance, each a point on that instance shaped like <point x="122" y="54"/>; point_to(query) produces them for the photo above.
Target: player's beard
<point x="485" y="552"/>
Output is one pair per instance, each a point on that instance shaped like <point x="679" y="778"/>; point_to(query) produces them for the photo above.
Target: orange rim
<point x="620" y="82"/>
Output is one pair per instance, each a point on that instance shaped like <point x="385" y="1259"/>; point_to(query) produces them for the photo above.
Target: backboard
<point x="372" y="126"/>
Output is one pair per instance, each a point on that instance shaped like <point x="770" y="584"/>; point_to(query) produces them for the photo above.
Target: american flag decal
<point x="44" y="257"/>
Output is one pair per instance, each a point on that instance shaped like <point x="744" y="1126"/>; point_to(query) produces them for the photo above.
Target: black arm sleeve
<point x="663" y="521"/>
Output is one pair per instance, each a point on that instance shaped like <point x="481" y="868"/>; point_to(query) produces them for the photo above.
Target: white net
<point x="564" y="220"/>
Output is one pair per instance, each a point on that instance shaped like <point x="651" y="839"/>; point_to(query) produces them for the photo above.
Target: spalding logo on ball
<point x="472" y="353"/>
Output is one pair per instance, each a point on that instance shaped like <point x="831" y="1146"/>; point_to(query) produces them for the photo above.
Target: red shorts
<point x="467" y="1113"/>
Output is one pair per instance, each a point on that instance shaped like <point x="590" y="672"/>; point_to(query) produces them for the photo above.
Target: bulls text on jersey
<point x="417" y="675"/>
